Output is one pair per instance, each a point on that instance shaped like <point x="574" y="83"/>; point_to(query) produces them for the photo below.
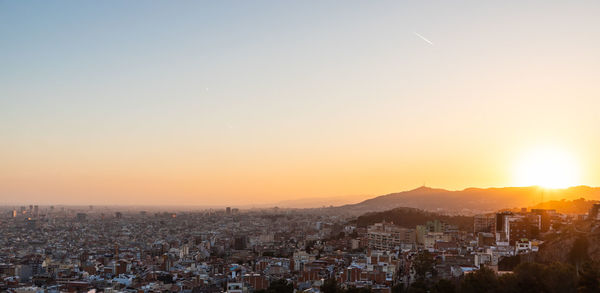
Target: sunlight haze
<point x="204" y="103"/>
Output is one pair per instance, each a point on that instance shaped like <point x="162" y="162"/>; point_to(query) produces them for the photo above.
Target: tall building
<point x="546" y="218"/>
<point x="501" y="225"/>
<point x="512" y="227"/>
<point x="436" y="226"/>
<point x="484" y="223"/>
<point x="593" y="213"/>
<point x="526" y="227"/>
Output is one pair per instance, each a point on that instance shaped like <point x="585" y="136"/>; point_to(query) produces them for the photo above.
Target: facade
<point x="593" y="213"/>
<point x="526" y="227"/>
<point x="386" y="236"/>
<point x="484" y="223"/>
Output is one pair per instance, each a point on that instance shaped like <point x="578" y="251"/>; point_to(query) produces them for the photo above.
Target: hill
<point x="410" y="217"/>
<point x="578" y="241"/>
<point x="577" y="206"/>
<point x="471" y="200"/>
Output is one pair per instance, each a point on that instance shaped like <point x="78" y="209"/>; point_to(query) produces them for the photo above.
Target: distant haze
<point x="471" y="200"/>
<point x="265" y="102"/>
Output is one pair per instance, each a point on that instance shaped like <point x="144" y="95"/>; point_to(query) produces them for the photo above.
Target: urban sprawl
<point x="101" y="249"/>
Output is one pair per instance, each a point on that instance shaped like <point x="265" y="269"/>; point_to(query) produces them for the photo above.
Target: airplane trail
<point x="423" y="38"/>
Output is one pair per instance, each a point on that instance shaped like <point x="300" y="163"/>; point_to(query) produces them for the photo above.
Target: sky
<point x="251" y="102"/>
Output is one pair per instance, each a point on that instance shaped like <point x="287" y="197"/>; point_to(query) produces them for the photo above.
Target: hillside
<point x="470" y="201"/>
<point x="410" y="217"/>
<point x="577" y="206"/>
<point x="582" y="239"/>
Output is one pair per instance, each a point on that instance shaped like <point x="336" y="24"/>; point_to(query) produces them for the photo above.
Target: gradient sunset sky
<point x="248" y="102"/>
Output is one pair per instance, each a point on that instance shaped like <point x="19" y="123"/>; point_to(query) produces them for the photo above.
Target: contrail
<point x="423" y="38"/>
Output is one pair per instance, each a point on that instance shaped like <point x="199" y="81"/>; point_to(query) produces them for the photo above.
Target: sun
<point x="548" y="168"/>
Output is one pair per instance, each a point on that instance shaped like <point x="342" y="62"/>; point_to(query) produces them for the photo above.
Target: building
<point x="240" y="242"/>
<point x="501" y="225"/>
<point x="436" y="226"/>
<point x="431" y="227"/>
<point x="526" y="227"/>
<point x="387" y="236"/>
<point x="485" y="239"/>
<point x="484" y="223"/>
<point x="81" y="217"/>
<point x="593" y="213"/>
<point x="236" y="288"/>
<point x="545" y="217"/>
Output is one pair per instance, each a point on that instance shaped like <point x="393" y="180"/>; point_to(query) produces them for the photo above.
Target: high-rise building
<point x="512" y="227"/>
<point x="525" y="227"/>
<point x="546" y="218"/>
<point x="436" y="226"/>
<point x="484" y="223"/>
<point x="501" y="225"/>
<point x="593" y="213"/>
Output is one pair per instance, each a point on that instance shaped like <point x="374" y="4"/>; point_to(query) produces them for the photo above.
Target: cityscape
<point x="315" y="146"/>
<point x="111" y="249"/>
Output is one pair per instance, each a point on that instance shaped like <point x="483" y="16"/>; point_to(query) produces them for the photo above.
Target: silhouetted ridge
<point x="410" y="217"/>
<point x="471" y="200"/>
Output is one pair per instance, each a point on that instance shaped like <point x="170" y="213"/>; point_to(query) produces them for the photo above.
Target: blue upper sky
<point x="149" y="92"/>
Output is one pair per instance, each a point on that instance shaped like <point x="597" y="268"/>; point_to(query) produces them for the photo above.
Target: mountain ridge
<point x="470" y="200"/>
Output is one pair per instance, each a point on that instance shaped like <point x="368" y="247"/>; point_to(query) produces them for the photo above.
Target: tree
<point x="423" y="265"/>
<point x="357" y="290"/>
<point x="165" y="278"/>
<point x="330" y="286"/>
<point x="589" y="278"/>
<point x="482" y="280"/>
<point x="559" y="278"/>
<point x="419" y="286"/>
<point x="528" y="277"/>
<point x="535" y="277"/>
<point x="443" y="286"/>
<point x="507" y="283"/>
<point x="509" y="263"/>
<point x="277" y="286"/>
<point x="398" y="288"/>
<point x="579" y="251"/>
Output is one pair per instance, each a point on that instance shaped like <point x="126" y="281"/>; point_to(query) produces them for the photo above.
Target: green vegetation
<point x="424" y="265"/>
<point x="527" y="277"/>
<point x="278" y="286"/>
<point x="331" y="286"/>
<point x="410" y="217"/>
<point x="579" y="251"/>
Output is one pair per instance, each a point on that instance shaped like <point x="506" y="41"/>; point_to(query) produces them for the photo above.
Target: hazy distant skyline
<point x="224" y="103"/>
